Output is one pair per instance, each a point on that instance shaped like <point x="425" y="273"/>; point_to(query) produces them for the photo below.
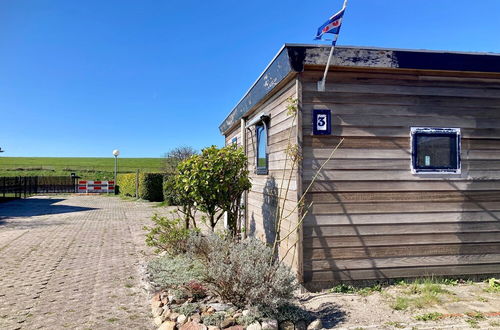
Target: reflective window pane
<point x="436" y="150"/>
<point x="261" y="148"/>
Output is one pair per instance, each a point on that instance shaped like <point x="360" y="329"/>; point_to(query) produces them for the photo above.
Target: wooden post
<point x="137" y="184"/>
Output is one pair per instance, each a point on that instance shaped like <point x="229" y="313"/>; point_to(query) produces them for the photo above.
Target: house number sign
<point x="322" y="122"/>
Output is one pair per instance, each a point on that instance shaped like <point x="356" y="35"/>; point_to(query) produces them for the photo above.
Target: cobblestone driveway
<point x="73" y="262"/>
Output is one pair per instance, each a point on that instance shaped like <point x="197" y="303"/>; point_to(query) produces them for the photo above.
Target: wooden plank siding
<point x="371" y="218"/>
<point x="261" y="199"/>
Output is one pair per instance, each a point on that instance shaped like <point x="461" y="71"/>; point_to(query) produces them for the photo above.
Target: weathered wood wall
<point x="262" y="200"/>
<point x="371" y="217"/>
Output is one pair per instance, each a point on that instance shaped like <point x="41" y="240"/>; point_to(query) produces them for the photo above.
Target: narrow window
<point x="234" y="140"/>
<point x="261" y="159"/>
<point x="435" y="150"/>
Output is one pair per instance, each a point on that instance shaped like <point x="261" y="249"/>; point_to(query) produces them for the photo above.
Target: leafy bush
<point x="195" y="289"/>
<point x="215" y="180"/>
<point x="169" y="193"/>
<point x="174" y="271"/>
<point x="126" y="184"/>
<point x="244" y="273"/>
<point x="150" y="185"/>
<point x="168" y="234"/>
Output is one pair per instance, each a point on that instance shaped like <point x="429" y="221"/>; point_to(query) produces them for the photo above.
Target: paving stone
<point x="73" y="262"/>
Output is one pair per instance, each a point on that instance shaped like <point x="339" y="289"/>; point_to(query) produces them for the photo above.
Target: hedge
<point x="126" y="184"/>
<point x="150" y="186"/>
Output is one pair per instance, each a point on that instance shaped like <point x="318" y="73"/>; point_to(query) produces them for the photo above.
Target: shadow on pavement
<point x="36" y="206"/>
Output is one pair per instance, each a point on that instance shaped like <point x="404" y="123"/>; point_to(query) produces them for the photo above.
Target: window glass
<point x="261" y="147"/>
<point x="436" y="150"/>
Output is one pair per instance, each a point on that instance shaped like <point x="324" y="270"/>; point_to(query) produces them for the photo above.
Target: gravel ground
<point x="374" y="311"/>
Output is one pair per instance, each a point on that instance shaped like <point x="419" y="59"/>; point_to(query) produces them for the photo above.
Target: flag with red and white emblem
<point x="331" y="26"/>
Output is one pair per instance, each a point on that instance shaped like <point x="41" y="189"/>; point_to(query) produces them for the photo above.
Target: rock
<point x="286" y="325"/>
<point x="220" y="307"/>
<point x="228" y="322"/>
<point x="300" y="325"/>
<point x="269" y="325"/>
<point x="171" y="298"/>
<point x="165" y="300"/>
<point x="156" y="304"/>
<point x="236" y="315"/>
<point x="246" y="312"/>
<point x="168" y="325"/>
<point x="315" y="325"/>
<point x="195" y="318"/>
<point x="254" y="326"/>
<point x="173" y="316"/>
<point x="158" y="320"/>
<point x="211" y="327"/>
<point x="157" y="311"/>
<point x="181" y="319"/>
<point x="210" y="310"/>
<point x="156" y="297"/>
<point x="166" y="314"/>
<point x="236" y="327"/>
<point x="193" y="326"/>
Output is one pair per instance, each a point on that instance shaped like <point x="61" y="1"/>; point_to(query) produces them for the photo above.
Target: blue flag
<point x="331" y="26"/>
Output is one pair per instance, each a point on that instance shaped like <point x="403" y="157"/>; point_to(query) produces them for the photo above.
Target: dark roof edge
<point x="277" y="70"/>
<point x="293" y="58"/>
<point x="393" y="49"/>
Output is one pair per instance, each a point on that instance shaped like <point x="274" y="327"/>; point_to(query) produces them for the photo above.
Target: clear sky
<point x="80" y="78"/>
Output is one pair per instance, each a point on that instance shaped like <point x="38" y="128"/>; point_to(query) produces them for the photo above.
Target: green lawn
<point x="87" y="168"/>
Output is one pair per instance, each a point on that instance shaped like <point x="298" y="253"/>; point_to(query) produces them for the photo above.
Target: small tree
<point x="216" y="180"/>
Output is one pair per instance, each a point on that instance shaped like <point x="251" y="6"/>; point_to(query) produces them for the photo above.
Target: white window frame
<point x="435" y="130"/>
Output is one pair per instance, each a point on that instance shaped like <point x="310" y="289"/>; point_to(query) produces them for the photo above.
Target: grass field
<point x="86" y="168"/>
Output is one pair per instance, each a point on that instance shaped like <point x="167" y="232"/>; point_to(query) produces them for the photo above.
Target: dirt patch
<point x="426" y="304"/>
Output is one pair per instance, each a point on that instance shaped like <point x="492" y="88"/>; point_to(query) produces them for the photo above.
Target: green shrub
<point x="173" y="272"/>
<point x="126" y="184"/>
<point x="289" y="312"/>
<point x="168" y="234"/>
<point x="243" y="273"/>
<point x="188" y="309"/>
<point x="150" y="185"/>
<point x="214" y="319"/>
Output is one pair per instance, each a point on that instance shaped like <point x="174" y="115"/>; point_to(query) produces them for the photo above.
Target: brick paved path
<point x="73" y="262"/>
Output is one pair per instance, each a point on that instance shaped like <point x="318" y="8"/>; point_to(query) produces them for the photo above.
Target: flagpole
<point x="322" y="82"/>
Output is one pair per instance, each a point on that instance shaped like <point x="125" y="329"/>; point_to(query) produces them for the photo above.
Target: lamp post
<point x="116" y="153"/>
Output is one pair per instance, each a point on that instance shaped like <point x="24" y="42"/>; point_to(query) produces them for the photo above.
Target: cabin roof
<point x="292" y="58"/>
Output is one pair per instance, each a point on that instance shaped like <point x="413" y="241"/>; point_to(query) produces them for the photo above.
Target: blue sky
<point x="80" y="78"/>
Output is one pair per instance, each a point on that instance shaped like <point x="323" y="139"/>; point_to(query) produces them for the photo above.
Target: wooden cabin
<point x="414" y="188"/>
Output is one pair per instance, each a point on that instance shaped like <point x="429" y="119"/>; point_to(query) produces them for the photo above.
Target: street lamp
<point x="116" y="153"/>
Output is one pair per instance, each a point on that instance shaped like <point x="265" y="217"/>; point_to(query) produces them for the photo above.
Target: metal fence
<point x="24" y="186"/>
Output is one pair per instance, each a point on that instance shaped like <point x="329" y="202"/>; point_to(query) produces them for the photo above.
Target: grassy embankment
<point x="86" y="168"/>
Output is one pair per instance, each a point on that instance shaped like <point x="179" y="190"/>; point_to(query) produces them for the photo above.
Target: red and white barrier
<point x="91" y="186"/>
